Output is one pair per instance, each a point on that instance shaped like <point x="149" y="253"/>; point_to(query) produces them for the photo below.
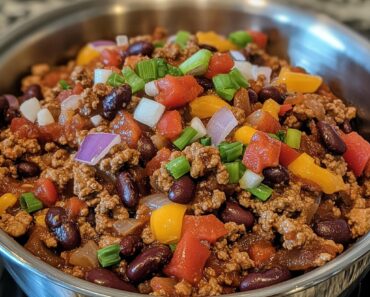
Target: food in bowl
<point x="181" y="165"/>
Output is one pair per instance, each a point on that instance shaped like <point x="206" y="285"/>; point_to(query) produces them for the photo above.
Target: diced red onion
<point x="101" y="75"/>
<point x="250" y="180"/>
<point x="71" y="103"/>
<point x="30" y="108"/>
<point x="100" y="45"/>
<point x="149" y="112"/>
<point x="237" y="56"/>
<point x="155" y="201"/>
<point x="151" y="89"/>
<point x="122" y="40"/>
<point x="245" y="68"/>
<point x="95" y="146"/>
<point x="197" y="124"/>
<point x="85" y="256"/>
<point x="262" y="70"/>
<point x="220" y="125"/>
<point x="44" y="117"/>
<point x="96" y="120"/>
<point x="127" y="226"/>
<point x="12" y="100"/>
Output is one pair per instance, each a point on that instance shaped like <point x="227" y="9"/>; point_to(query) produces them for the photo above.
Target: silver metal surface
<point x="314" y="42"/>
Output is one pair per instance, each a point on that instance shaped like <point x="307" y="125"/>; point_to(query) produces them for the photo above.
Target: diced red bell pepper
<point x="170" y="124"/>
<point x="357" y="154"/>
<point x="125" y="125"/>
<point x="284" y="109"/>
<point x="176" y="91"/>
<point x="45" y="190"/>
<point x="261" y="251"/>
<point x="263" y="151"/>
<point x="162" y="155"/>
<point x="204" y="227"/>
<point x="259" y="38"/>
<point x="74" y="206"/>
<point x="219" y="63"/>
<point x="287" y="155"/>
<point x="111" y="57"/>
<point x="263" y="121"/>
<point x="24" y="128"/>
<point x="188" y="260"/>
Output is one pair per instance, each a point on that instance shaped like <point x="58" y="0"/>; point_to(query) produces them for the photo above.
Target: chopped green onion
<point x="162" y="67"/>
<point x="115" y="80"/>
<point x="136" y="83"/>
<point x="242" y="169"/>
<point x="147" y="69"/>
<point x="172" y="70"/>
<point x="109" y="255"/>
<point x="197" y="64"/>
<point x="186" y="136"/>
<point x="182" y="38"/>
<point x="281" y="135"/>
<point x="293" y="138"/>
<point x="178" y="167"/>
<point x="159" y="43"/>
<point x="240" y="38"/>
<point x="206" y="141"/>
<point x="30" y="203"/>
<point x="262" y="192"/>
<point x="238" y="78"/>
<point x="64" y="85"/>
<point x="234" y="170"/>
<point x="230" y="151"/>
<point x="274" y="136"/>
<point x="173" y="246"/>
<point x="225" y="86"/>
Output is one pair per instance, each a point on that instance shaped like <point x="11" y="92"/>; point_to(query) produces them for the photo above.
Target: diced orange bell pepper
<point x="272" y="107"/>
<point x="40" y="220"/>
<point x="261" y="251"/>
<point x="74" y="206"/>
<point x="213" y="39"/>
<point x="244" y="134"/>
<point x="205" y="106"/>
<point x="170" y="124"/>
<point x="299" y="82"/>
<point x="304" y="166"/>
<point x="86" y="55"/>
<point x="7" y="200"/>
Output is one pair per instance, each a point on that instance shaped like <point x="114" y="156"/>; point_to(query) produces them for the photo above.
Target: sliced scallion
<point x="262" y="192"/>
<point x="206" y="141"/>
<point x="230" y="151"/>
<point x="162" y="67"/>
<point x="178" y="167"/>
<point x="136" y="83"/>
<point x="238" y="78"/>
<point x="233" y="170"/>
<point x="64" y="85"/>
<point x="182" y="38"/>
<point x="115" y="80"/>
<point x="30" y="203"/>
<point x="224" y="85"/>
<point x="197" y="64"/>
<point x="184" y="139"/>
<point x="293" y="138"/>
<point x="109" y="255"/>
<point x="240" y="38"/>
<point x="174" y="71"/>
<point x="147" y="70"/>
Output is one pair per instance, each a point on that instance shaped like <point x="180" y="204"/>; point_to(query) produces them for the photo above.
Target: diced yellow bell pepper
<point x="299" y="82"/>
<point x="166" y="222"/>
<point x="272" y="107"/>
<point x="205" y="106"/>
<point x="244" y="134"/>
<point x="7" y="200"/>
<point x="40" y="220"/>
<point x="211" y="38"/>
<point x="86" y="55"/>
<point x="304" y="166"/>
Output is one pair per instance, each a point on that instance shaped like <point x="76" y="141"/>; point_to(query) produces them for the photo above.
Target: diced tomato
<point x="204" y="227"/>
<point x="259" y="38"/>
<point x="125" y="125"/>
<point x="284" y="109"/>
<point x="219" y="63"/>
<point x="74" y="206"/>
<point x="111" y="57"/>
<point x="50" y="132"/>
<point x="287" y="155"/>
<point x="263" y="151"/>
<point x="176" y="91"/>
<point x="45" y="190"/>
<point x="261" y="251"/>
<point x="24" y="128"/>
<point x="52" y="78"/>
<point x="63" y="95"/>
<point x="163" y="284"/>
<point x="77" y="89"/>
<point x="74" y="123"/>
<point x="162" y="155"/>
<point x="357" y="154"/>
<point x="188" y="259"/>
<point x="170" y="125"/>
<point x="263" y="121"/>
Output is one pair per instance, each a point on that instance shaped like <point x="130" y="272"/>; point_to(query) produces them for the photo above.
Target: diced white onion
<point x="127" y="226"/>
<point x="149" y="112"/>
<point x="250" y="180"/>
<point x="197" y="124"/>
<point x="71" y="103"/>
<point x="237" y="56"/>
<point x="245" y="68"/>
<point x="262" y="70"/>
<point x="96" y="120"/>
<point x="30" y="108"/>
<point x="171" y="39"/>
<point x="101" y="75"/>
<point x="122" y="40"/>
<point x="151" y="89"/>
<point x="155" y="201"/>
<point x="44" y="117"/>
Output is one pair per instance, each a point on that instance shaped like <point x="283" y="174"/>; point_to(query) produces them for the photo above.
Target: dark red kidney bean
<point x="127" y="190"/>
<point x="10" y="114"/>
<point x="149" y="261"/>
<point x="28" y="169"/>
<point x="143" y="48"/>
<point x="141" y="180"/>
<point x="131" y="245"/>
<point x="32" y="91"/>
<point x="115" y="100"/>
<point x="204" y="82"/>
<point x="146" y="148"/>
<point x="270" y="92"/>
<point x="55" y="217"/>
<point x="346" y="126"/>
<point x="275" y="175"/>
<point x="182" y="190"/>
<point x="256" y="280"/>
<point x="330" y="138"/>
<point x="107" y="278"/>
<point x="336" y="230"/>
<point x="208" y="47"/>
<point x="68" y="235"/>
<point x="233" y="212"/>
<point x="253" y="97"/>
<point x="4" y="106"/>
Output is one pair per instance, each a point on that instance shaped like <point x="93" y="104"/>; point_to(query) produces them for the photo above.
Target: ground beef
<point x="90" y="102"/>
<point x="82" y="75"/>
<point x="12" y="147"/>
<point x="84" y="183"/>
<point x="119" y="155"/>
<point x="15" y="225"/>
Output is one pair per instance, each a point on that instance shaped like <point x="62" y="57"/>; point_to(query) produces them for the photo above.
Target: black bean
<point x="32" y="91"/>
<point x="127" y="190"/>
<point x="55" y="217"/>
<point x="204" y="82"/>
<point x="256" y="280"/>
<point x="131" y="245"/>
<point x="115" y="100"/>
<point x="182" y="190"/>
<point x="233" y="212"/>
<point x="146" y="148"/>
<point x="330" y="138"/>
<point x="28" y="169"/>
<point x="346" y="126"/>
<point x="107" y="278"/>
<point x="271" y="93"/>
<point x="253" y="97"/>
<point x="336" y="230"/>
<point x="4" y="106"/>
<point x="68" y="235"/>
<point x="208" y="47"/>
<point x="149" y="261"/>
<point x="143" y="48"/>
<point x="275" y="175"/>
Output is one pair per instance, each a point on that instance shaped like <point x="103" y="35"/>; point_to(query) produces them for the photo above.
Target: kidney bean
<point x="114" y="101"/>
<point x="130" y="245"/>
<point x="148" y="262"/>
<point x="68" y="235"/>
<point x="28" y="169"/>
<point x="127" y="189"/>
<point x="55" y="217"/>
<point x="204" y="82"/>
<point x="143" y="48"/>
<point x="146" y="148"/>
<point x="10" y="114"/>
<point x="275" y="175"/>
<point x="336" y="230"/>
<point x="141" y="180"/>
<point x="253" y="97"/>
<point x="107" y="278"/>
<point x="4" y="106"/>
<point x="346" y="126"/>
<point x="331" y="139"/>
<point x="182" y="190"/>
<point x="256" y="280"/>
<point x="32" y="91"/>
<point x="270" y="93"/>
<point x="233" y="212"/>
<point x="208" y="47"/>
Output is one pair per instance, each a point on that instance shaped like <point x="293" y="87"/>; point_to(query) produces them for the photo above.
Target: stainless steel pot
<point x="314" y="42"/>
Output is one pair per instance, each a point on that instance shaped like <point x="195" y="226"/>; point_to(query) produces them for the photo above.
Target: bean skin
<point x="127" y="190"/>
<point x="331" y="139"/>
<point x="114" y="101"/>
<point x="55" y="217"/>
<point x="256" y="280"/>
<point x="182" y="190"/>
<point x="4" y="106"/>
<point x="146" y="148"/>
<point x="148" y="262"/>
<point x="336" y="230"/>
<point x="233" y="212"/>
<point x="204" y="82"/>
<point x="32" y="91"/>
<point x="143" y="48"/>
<point x="107" y="278"/>
<point x="253" y="97"/>
<point x="270" y="93"/>
<point x="28" y="169"/>
<point x="346" y="126"/>
<point x="68" y="235"/>
<point x="130" y="245"/>
<point x="275" y="175"/>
